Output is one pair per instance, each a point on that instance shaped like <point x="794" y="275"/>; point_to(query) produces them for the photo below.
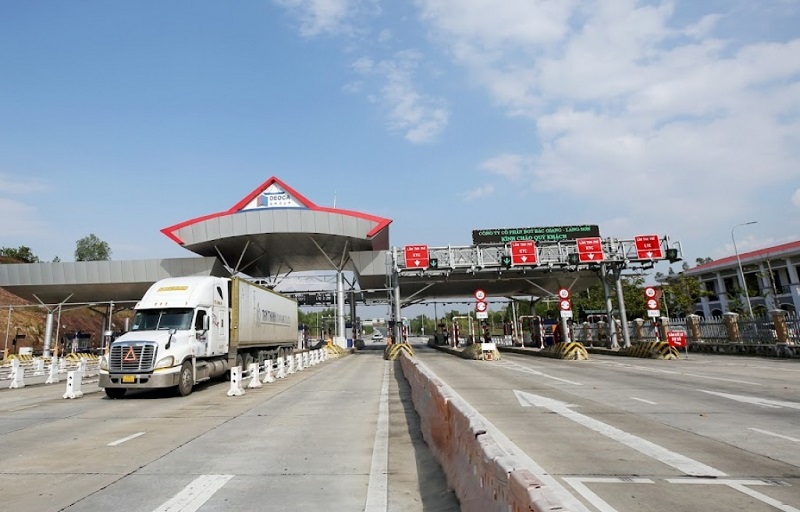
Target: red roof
<point x="380" y="222"/>
<point x="760" y="254"/>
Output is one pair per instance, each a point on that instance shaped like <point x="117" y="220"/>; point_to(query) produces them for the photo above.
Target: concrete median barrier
<point x="483" y="475"/>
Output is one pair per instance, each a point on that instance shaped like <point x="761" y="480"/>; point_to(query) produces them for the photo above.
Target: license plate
<point x="128" y="379"/>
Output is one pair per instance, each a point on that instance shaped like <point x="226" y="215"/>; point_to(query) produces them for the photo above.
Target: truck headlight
<point x="104" y="363"/>
<point x="166" y="362"/>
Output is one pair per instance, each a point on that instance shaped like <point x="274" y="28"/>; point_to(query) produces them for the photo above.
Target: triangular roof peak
<point x="273" y="193"/>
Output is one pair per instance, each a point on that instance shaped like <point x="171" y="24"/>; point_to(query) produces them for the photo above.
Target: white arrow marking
<point x="768" y="433"/>
<point x="524" y="259"/>
<point x="194" y="495"/>
<point x="652" y="450"/>
<point x="649" y="254"/>
<point x="416" y="263"/>
<point x="755" y="401"/>
<point x="591" y="255"/>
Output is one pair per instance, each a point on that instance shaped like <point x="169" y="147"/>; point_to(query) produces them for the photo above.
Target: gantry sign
<point x="526" y="261"/>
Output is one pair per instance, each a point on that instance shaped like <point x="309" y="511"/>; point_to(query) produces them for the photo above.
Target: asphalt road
<point x="608" y="434"/>
<point x="341" y="435"/>
<point x="619" y="434"/>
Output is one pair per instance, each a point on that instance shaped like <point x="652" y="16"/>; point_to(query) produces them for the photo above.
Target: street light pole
<point x="739" y="261"/>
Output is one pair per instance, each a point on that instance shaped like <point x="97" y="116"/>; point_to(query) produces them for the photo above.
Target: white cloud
<point x="420" y="117"/>
<point x="317" y="17"/>
<point x="479" y="192"/>
<point x="796" y="198"/>
<point x="632" y="106"/>
<point x="510" y="166"/>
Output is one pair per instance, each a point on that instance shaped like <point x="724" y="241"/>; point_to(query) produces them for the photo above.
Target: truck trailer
<point x="187" y="330"/>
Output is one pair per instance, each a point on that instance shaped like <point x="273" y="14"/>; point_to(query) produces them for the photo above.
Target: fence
<point x="777" y="327"/>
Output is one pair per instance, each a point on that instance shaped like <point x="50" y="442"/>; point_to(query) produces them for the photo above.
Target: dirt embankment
<point x="29" y="320"/>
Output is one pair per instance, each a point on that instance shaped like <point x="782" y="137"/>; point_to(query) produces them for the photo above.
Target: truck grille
<point x="132" y="357"/>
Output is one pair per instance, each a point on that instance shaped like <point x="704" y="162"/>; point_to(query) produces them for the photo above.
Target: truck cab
<point x="179" y="336"/>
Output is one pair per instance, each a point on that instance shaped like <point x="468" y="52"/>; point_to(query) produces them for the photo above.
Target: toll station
<point x="275" y="232"/>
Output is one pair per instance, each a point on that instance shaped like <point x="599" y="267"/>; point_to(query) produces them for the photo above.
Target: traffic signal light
<point x="433" y="263"/>
<point x="672" y="255"/>
<point x="573" y="258"/>
<point x="505" y="261"/>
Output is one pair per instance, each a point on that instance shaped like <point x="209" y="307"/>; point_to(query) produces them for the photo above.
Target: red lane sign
<point x="565" y="305"/>
<point x="650" y="292"/>
<point x="480" y="294"/>
<point x="523" y="252"/>
<point x="652" y="304"/>
<point x="563" y="293"/>
<point x="416" y="256"/>
<point x="648" y="247"/>
<point x="590" y="249"/>
<point x="481" y="306"/>
<point x="676" y="339"/>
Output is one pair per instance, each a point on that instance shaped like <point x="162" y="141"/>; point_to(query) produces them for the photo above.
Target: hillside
<point x="30" y="319"/>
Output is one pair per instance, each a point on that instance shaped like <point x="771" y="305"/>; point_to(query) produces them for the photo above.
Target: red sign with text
<point x="676" y="339"/>
<point x="648" y="247"/>
<point x="523" y="252"/>
<point x="590" y="249"/>
<point x="416" y="256"/>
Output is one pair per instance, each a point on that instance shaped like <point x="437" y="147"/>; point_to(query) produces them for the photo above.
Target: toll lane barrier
<point x="475" y="351"/>
<point x="573" y="351"/>
<point x="483" y="475"/>
<point x="279" y="368"/>
<point x="392" y="351"/>
<point x="650" y="350"/>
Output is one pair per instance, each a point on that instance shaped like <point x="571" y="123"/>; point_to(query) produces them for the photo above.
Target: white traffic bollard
<point x="17" y="375"/>
<point x="73" y="385"/>
<point x="82" y="367"/>
<point x="281" y="368"/>
<point x="236" y="382"/>
<point x="52" y="377"/>
<point x="290" y="364"/>
<point x="298" y="359"/>
<point x="38" y="366"/>
<point x="14" y="369"/>
<point x="255" y="378"/>
<point x="268" y="372"/>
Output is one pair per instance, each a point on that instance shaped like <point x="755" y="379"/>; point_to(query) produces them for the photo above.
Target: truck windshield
<point x="162" y="319"/>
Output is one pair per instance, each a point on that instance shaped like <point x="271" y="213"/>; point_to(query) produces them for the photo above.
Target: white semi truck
<point x="189" y="329"/>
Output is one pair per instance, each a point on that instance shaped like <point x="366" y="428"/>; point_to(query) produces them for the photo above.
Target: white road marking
<point x="524" y="369"/>
<point x="648" y="448"/>
<point x="194" y="495"/>
<point x="673" y="372"/>
<point x="643" y="400"/>
<point x="577" y="483"/>
<point x="767" y="432"/>
<point x="569" y="501"/>
<point x="120" y="441"/>
<point x="23" y="408"/>
<point x="740" y="485"/>
<point x="377" y="489"/>
<point x="775" y="404"/>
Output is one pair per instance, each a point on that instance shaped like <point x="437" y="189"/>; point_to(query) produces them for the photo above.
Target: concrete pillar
<point x="732" y="326"/>
<point x="638" y="329"/>
<point x="693" y="321"/>
<point x="779" y="319"/>
<point x="663" y="328"/>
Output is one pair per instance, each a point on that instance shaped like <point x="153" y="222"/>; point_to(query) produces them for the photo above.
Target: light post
<point x="739" y="261"/>
<point x="8" y="328"/>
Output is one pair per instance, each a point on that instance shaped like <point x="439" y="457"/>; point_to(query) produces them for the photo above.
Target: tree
<point x="22" y="254"/>
<point x="681" y="293"/>
<point x="91" y="248"/>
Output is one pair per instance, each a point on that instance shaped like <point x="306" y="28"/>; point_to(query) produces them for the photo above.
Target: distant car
<point x="377" y="337"/>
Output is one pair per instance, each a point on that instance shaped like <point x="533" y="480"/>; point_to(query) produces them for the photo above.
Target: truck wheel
<point x="115" y="392"/>
<point x="186" y="380"/>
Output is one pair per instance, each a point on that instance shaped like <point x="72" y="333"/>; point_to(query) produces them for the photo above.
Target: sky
<point x="678" y="118"/>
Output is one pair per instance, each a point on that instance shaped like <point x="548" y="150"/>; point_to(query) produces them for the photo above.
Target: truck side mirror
<point x="206" y="323"/>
